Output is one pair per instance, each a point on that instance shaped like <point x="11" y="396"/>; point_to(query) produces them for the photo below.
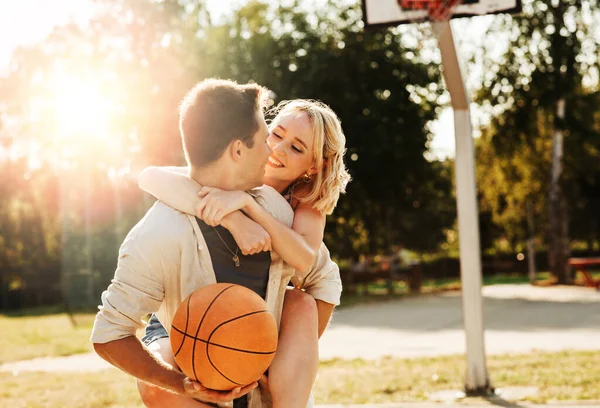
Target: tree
<point x="537" y="85"/>
<point x="138" y="59"/>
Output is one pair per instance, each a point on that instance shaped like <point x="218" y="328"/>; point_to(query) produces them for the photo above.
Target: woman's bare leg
<point x="294" y="368"/>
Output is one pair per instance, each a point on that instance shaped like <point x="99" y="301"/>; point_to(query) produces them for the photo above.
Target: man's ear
<point x="235" y="150"/>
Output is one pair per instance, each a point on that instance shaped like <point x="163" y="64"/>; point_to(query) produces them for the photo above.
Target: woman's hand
<point x="214" y="204"/>
<point x="250" y="237"/>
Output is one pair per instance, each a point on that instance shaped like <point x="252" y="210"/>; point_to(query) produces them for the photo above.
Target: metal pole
<point x="476" y="380"/>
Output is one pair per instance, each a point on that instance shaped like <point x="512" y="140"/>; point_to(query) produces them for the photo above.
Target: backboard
<point x="388" y="12"/>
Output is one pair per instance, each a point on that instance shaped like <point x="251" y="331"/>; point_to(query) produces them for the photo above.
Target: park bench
<point x="582" y="265"/>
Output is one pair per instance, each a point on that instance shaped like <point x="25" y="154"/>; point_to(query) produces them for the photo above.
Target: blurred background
<point x="89" y="92"/>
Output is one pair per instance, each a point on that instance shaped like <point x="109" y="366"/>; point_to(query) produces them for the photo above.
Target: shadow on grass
<point x="503" y="403"/>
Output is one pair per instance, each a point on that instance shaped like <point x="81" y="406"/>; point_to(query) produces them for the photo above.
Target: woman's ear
<point x="314" y="170"/>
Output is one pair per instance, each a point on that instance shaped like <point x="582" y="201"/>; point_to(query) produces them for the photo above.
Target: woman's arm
<point x="297" y="246"/>
<point x="172" y="186"/>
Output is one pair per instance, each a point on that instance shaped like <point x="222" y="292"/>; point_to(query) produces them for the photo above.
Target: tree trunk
<point x="530" y="243"/>
<point x="88" y="237"/>
<point x="558" y="253"/>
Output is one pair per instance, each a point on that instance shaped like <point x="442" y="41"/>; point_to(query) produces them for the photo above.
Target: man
<point x="168" y="255"/>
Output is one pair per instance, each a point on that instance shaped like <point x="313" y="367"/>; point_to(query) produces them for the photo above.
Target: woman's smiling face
<point x="291" y="138"/>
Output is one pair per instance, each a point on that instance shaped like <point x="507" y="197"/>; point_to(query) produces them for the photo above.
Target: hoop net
<point x="436" y="10"/>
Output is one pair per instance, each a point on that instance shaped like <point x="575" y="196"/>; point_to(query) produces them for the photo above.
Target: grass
<point x="25" y="336"/>
<point x="559" y="376"/>
<point x="110" y="388"/>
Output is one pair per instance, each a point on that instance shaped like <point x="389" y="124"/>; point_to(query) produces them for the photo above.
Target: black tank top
<point x="253" y="270"/>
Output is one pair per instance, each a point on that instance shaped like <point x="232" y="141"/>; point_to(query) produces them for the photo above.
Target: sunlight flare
<point x="81" y="108"/>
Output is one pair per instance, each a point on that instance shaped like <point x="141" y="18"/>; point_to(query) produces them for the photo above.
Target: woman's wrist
<point x="230" y="221"/>
<point x="196" y="204"/>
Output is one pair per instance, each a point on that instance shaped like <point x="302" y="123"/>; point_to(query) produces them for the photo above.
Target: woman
<point x="306" y="166"/>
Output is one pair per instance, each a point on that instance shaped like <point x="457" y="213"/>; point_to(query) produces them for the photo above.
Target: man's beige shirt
<point x="164" y="258"/>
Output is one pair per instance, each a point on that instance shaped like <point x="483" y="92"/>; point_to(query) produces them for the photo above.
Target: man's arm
<point x="136" y="290"/>
<point x="130" y="355"/>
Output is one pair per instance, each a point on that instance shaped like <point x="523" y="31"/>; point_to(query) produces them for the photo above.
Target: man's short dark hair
<point x="216" y="112"/>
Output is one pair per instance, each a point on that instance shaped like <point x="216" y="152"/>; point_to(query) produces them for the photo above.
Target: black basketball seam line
<point x="187" y="321"/>
<point x="215" y="367"/>
<point x="198" y="330"/>
<point x="221" y="345"/>
<point x="215" y="329"/>
<point x="236" y="318"/>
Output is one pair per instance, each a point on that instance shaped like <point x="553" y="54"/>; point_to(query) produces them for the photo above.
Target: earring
<point x="306" y="178"/>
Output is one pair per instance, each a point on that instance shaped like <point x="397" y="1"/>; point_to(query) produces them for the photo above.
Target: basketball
<point x="224" y="336"/>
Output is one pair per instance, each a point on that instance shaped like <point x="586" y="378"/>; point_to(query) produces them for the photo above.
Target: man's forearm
<point x="129" y="355"/>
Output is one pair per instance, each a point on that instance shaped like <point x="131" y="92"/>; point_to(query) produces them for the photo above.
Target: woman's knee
<point x="298" y="303"/>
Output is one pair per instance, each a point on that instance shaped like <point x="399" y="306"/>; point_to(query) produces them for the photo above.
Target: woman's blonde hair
<point x="329" y="147"/>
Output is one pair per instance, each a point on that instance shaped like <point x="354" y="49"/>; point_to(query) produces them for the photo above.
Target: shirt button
<point x="200" y="247"/>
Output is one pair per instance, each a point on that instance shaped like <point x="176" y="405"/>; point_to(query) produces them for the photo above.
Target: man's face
<point x="254" y="161"/>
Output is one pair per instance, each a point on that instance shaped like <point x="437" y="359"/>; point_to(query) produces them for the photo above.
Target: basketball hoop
<point x="381" y="13"/>
<point x="437" y="10"/>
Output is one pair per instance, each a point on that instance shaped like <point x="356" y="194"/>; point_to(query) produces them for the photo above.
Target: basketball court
<point x="518" y="319"/>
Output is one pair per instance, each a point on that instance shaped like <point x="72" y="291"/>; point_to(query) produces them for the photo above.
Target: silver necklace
<point x="236" y="258"/>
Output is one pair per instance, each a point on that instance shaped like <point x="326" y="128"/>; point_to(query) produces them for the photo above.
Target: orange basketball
<point x="224" y="336"/>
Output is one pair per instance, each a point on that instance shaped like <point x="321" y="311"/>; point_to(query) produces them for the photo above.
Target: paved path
<point x="518" y="318"/>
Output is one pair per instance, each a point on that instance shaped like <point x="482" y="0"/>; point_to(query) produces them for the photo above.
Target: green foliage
<point x="29" y="234"/>
<point x="145" y="56"/>
<point x="552" y="53"/>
